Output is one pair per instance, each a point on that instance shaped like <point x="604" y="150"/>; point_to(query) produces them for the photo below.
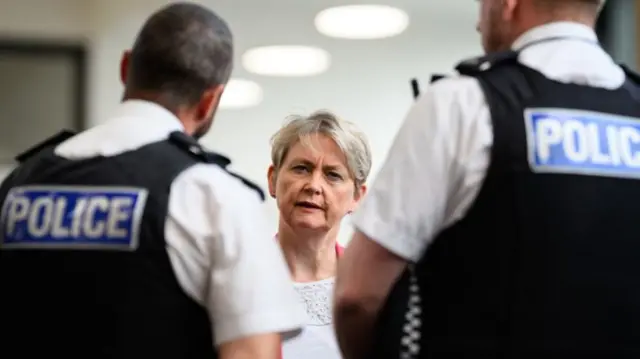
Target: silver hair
<point x="349" y="138"/>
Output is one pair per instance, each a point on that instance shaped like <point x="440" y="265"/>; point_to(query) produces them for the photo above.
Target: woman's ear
<point x="357" y="197"/>
<point x="271" y="178"/>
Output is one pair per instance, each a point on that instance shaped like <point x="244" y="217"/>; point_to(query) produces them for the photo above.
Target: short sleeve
<point x="226" y="259"/>
<point x="433" y="170"/>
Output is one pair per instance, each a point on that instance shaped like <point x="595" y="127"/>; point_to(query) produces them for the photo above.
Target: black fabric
<point x="544" y="265"/>
<point x="220" y="159"/>
<point x="224" y="162"/>
<point x="57" y="138"/>
<point x="250" y="184"/>
<point x="103" y="304"/>
<point x="437" y="77"/>
<point x="189" y="143"/>
<point x="415" y="88"/>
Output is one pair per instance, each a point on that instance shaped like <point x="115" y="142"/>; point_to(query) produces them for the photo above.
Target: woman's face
<point x="313" y="187"/>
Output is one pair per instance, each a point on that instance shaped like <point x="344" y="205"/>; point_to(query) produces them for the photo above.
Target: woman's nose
<point x="314" y="184"/>
<point x="310" y="189"/>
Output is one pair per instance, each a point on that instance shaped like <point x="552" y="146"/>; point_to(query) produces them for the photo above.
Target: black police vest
<point x="546" y="263"/>
<point x="102" y="285"/>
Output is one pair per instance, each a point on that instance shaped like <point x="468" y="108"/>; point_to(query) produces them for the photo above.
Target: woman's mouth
<point x="308" y="205"/>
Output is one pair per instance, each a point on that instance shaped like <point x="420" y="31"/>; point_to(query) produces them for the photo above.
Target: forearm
<point x="366" y="274"/>
<point x="267" y="346"/>
<point x="355" y="329"/>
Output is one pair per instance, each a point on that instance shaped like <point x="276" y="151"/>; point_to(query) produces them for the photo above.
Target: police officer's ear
<point x="509" y="9"/>
<point x="271" y="178"/>
<point x="209" y="102"/>
<point x="124" y="66"/>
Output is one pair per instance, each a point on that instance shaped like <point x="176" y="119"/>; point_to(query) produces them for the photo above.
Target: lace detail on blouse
<point x="317" y="299"/>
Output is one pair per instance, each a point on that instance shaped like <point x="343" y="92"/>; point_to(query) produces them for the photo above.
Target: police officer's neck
<point x="184" y="115"/>
<point x="310" y="256"/>
<point x="539" y="17"/>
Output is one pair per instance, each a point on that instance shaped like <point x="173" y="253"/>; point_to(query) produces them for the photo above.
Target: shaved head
<point x="592" y="5"/>
<point x="502" y="21"/>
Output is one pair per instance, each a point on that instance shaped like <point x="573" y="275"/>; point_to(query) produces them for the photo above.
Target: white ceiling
<point x="435" y="24"/>
<point x="368" y="81"/>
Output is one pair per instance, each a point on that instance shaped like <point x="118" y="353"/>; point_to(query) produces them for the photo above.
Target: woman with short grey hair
<point x="320" y="164"/>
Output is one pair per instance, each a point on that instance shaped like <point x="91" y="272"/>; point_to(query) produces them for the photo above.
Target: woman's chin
<point x="310" y="225"/>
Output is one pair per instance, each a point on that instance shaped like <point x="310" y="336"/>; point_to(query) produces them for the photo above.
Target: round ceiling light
<point x="294" y="61"/>
<point x="362" y="22"/>
<point x="239" y="93"/>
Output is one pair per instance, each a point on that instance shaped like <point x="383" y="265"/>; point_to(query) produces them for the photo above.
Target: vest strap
<point x="477" y="65"/>
<point x="54" y="140"/>
<point x="190" y="145"/>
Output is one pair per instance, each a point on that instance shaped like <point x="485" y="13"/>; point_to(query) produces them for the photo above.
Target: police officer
<point x="512" y="191"/>
<point x="128" y="240"/>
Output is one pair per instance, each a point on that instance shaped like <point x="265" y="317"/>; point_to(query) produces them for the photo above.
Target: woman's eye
<point x="334" y="176"/>
<point x="300" y="168"/>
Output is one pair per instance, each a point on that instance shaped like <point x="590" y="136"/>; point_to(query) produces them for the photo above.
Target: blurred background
<point x="59" y="63"/>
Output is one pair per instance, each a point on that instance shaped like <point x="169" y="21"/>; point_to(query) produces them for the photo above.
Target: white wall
<point x="367" y="83"/>
<point x="622" y="36"/>
<point x="56" y="19"/>
<point x="60" y="20"/>
<point x="43" y="99"/>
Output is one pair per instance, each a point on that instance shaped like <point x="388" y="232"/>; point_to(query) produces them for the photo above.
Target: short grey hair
<point x="349" y="138"/>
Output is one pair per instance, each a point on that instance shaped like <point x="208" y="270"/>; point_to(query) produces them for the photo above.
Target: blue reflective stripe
<point x="79" y="217"/>
<point x="582" y="142"/>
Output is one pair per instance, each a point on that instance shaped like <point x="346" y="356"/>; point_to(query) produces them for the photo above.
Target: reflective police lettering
<point x="582" y="142"/>
<point x="72" y="217"/>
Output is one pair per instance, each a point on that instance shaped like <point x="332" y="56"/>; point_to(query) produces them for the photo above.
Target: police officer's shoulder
<point x="464" y="83"/>
<point x="212" y="162"/>
<point x="477" y="65"/>
<point x="189" y="145"/>
<point x="446" y="106"/>
<point x="220" y="185"/>
<point x="223" y="163"/>
<point x="456" y="88"/>
<point x="633" y="75"/>
<point x="250" y="184"/>
<point x="52" y="141"/>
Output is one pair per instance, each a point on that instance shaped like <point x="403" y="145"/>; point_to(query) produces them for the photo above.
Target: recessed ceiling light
<point x="286" y="61"/>
<point x="239" y="93"/>
<point x="362" y="22"/>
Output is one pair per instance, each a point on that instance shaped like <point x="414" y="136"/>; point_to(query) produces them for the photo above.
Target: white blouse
<point x="317" y="340"/>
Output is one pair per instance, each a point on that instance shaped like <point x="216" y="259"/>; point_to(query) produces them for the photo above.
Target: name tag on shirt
<point x="583" y="143"/>
<point x="72" y="217"/>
